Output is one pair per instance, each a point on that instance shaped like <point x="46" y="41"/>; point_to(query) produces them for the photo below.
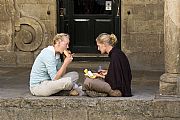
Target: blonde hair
<point x="110" y="39"/>
<point x="59" y="37"/>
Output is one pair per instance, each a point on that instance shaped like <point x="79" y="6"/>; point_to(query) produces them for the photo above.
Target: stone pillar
<point x="170" y="80"/>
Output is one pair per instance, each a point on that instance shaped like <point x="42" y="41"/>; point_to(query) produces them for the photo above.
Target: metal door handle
<point x="103" y="20"/>
<point x="81" y="20"/>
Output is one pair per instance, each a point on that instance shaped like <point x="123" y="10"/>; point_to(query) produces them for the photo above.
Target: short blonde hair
<point x="59" y="36"/>
<point x="110" y="39"/>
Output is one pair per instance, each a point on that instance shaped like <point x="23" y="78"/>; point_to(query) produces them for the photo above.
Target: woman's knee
<point x="68" y="85"/>
<point x="87" y="83"/>
<point x="74" y="76"/>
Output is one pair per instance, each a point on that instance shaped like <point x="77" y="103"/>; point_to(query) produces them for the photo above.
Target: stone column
<point x="170" y="80"/>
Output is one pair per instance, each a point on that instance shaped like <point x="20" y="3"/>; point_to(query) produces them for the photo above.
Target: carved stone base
<point x="169" y="84"/>
<point x="24" y="59"/>
<point x="7" y="59"/>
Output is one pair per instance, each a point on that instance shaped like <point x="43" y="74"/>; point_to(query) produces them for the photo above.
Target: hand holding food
<point x="89" y="74"/>
<point x="102" y="72"/>
<point x="68" y="54"/>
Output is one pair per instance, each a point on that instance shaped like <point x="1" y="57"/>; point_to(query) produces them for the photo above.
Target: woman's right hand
<point x="68" y="60"/>
<point x="69" y="57"/>
<point x="102" y="72"/>
<point x="67" y="53"/>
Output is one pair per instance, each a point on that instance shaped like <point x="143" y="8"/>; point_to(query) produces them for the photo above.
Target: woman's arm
<point x="99" y="75"/>
<point x="68" y="59"/>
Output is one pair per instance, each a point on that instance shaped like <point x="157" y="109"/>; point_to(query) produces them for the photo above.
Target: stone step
<point x="16" y="102"/>
<point x="90" y="57"/>
<point x="87" y="108"/>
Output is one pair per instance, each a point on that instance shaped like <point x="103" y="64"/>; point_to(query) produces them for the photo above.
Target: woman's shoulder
<point x="47" y="50"/>
<point x="116" y="50"/>
<point x="46" y="53"/>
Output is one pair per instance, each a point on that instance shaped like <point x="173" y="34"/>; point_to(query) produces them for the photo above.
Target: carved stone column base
<point x="169" y="84"/>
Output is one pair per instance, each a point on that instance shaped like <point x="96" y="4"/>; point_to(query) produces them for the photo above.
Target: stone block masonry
<point x="29" y="26"/>
<point x="86" y="108"/>
<point x="142" y="33"/>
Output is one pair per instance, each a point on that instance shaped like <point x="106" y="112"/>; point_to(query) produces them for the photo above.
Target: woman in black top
<point x="116" y="81"/>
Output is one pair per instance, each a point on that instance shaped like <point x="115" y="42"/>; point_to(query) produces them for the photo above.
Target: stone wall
<point x="143" y="33"/>
<point x="28" y="26"/>
<point x="85" y="108"/>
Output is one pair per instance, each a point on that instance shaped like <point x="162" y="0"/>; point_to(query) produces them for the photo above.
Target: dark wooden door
<point x="84" y="20"/>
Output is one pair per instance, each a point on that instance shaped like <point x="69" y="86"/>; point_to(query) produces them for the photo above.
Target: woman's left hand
<point x="99" y="75"/>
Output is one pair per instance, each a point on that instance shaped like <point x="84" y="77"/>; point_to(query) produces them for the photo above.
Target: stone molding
<point x="30" y="35"/>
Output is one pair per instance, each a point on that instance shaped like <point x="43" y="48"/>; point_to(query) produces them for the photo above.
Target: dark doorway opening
<point x="84" y="20"/>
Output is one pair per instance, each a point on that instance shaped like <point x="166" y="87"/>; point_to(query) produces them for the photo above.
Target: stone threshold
<point x="90" y="57"/>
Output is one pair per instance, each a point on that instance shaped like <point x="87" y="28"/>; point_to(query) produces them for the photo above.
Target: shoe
<point x="115" y="93"/>
<point x="73" y="92"/>
<point x="80" y="91"/>
<point x="92" y="93"/>
<point x="77" y="92"/>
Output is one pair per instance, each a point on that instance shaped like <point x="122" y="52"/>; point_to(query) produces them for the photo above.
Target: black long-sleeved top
<point x="119" y="72"/>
